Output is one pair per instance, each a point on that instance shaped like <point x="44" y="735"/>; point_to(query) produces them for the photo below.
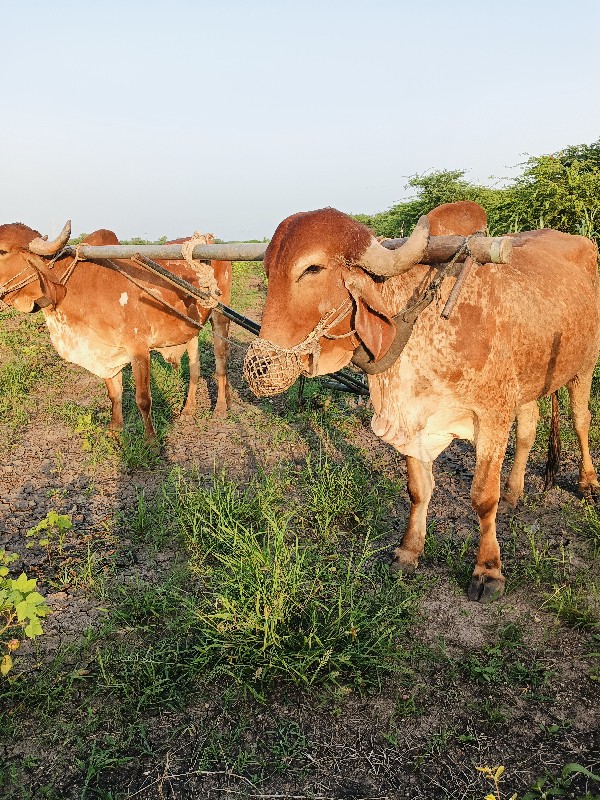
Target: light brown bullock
<point x="100" y="319"/>
<point x="518" y="332"/>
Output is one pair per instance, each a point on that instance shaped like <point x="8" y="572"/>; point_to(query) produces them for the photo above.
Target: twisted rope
<point x="202" y="269"/>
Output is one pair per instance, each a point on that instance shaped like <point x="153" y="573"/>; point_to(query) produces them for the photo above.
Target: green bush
<point x="559" y="191"/>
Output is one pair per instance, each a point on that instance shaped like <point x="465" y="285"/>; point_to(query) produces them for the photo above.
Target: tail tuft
<point x="553" y="460"/>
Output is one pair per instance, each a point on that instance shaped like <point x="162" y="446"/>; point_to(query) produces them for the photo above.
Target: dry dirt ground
<point x="513" y="683"/>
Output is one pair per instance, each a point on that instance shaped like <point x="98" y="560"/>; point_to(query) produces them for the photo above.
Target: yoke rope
<point x="202" y="269"/>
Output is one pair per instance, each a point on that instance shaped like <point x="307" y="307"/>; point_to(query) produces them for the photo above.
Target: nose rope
<point x="5" y="288"/>
<point x="270" y="369"/>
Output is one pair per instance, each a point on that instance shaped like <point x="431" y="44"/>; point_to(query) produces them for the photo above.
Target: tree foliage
<point x="559" y="191"/>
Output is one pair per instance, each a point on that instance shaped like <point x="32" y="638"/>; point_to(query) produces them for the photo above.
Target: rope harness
<point x="6" y="288"/>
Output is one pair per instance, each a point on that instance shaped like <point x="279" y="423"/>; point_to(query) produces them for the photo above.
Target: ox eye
<point x="3" y="252"/>
<point x="314" y="269"/>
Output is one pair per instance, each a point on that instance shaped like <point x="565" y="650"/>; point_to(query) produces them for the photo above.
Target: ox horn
<point x="378" y="260"/>
<point x="41" y="247"/>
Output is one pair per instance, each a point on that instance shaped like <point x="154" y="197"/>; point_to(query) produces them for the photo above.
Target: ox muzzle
<point x="270" y="369"/>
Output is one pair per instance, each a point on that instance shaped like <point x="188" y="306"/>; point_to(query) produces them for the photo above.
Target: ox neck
<point x="405" y="320"/>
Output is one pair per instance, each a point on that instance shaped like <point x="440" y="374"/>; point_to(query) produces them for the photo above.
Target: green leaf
<point x="6" y="664"/>
<point x="63" y="522"/>
<point x="35" y="598"/>
<point x="24" y="584"/>
<point x="33" y="629"/>
<point x="569" y="769"/>
<point x="25" y="611"/>
<point x="3" y="571"/>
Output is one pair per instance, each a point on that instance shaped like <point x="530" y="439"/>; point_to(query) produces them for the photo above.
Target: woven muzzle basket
<point x="270" y="369"/>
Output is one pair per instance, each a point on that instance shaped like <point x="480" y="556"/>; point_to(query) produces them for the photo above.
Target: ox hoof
<point x="508" y="502"/>
<point x="399" y="567"/>
<point x="220" y="413"/>
<point x="484" y="590"/>
<point x="590" y="494"/>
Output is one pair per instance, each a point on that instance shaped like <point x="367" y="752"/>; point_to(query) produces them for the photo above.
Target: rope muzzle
<point x="270" y="369"/>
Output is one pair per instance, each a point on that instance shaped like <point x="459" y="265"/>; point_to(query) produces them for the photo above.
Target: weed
<point x="494" y="774"/>
<point x="340" y="496"/>
<point x="492" y="713"/>
<point x="49" y="532"/>
<point x="577" y="604"/>
<point x="274" y="609"/>
<point x="561" y="785"/>
<point x="246" y="276"/>
<point x="593" y="655"/>
<point x="506" y="661"/>
<point x="21" y="609"/>
<point x="534" y="561"/>
<point x="29" y="364"/>
<point x="440" y="548"/>
<point x="90" y="425"/>
<point x="583" y="519"/>
<point x="437" y="744"/>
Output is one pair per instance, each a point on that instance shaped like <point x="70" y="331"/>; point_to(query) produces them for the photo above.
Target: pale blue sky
<point x="156" y="117"/>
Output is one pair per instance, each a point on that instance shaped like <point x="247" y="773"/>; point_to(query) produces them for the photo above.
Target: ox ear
<point x="372" y="321"/>
<point x="53" y="292"/>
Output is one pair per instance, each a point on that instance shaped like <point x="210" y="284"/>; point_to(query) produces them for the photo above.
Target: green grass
<point x="274" y="607"/>
<point x="246" y="275"/>
<point x="27" y="364"/>
<point x="507" y="661"/>
<point x="260" y="601"/>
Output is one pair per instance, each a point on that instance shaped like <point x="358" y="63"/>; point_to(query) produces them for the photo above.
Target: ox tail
<point x="553" y="460"/>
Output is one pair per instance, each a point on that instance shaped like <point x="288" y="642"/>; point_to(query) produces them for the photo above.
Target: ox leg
<point x="193" y="352"/>
<point x="579" y="395"/>
<point x="488" y="581"/>
<point x="420" y="489"/>
<point x="140" y="365"/>
<point x="527" y="420"/>
<point x="114" y="387"/>
<point x="220" y="326"/>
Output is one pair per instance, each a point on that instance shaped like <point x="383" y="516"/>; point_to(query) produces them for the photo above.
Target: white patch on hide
<point x="81" y="346"/>
<point x="416" y="425"/>
<point x="123" y="299"/>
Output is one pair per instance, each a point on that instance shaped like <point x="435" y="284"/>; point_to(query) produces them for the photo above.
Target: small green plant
<point x="578" y="605"/>
<point x="21" y="609"/>
<point x="583" y="519"/>
<point x="561" y="785"/>
<point x="50" y="531"/>
<point x="341" y="495"/>
<point x="506" y="661"/>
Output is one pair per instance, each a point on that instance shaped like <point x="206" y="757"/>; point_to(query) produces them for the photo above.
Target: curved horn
<point x="41" y="247"/>
<point x="378" y="260"/>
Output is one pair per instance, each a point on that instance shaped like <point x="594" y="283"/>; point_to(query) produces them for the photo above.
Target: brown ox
<point x="101" y="320"/>
<point x="519" y="331"/>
